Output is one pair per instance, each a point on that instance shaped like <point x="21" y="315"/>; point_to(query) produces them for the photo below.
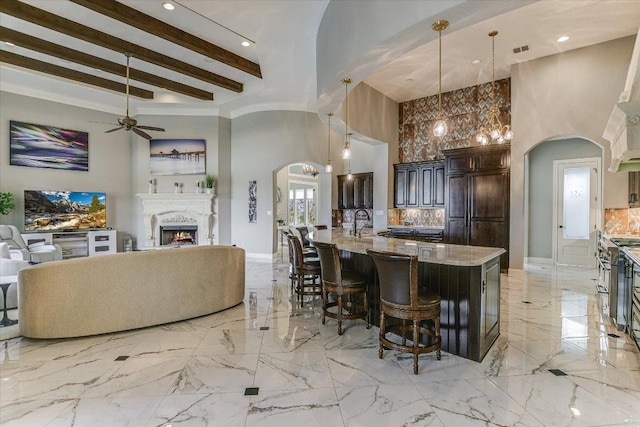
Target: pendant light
<point x="494" y="130"/>
<point x="329" y="168"/>
<point x="440" y="127"/>
<point x="346" y="151"/>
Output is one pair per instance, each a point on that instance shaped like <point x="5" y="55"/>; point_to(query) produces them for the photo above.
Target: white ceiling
<point x="284" y="32"/>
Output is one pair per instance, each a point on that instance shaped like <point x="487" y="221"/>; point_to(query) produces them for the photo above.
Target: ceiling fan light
<point x="440" y="128"/>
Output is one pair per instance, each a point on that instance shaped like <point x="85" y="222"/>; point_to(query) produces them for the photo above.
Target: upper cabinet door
<point x="438" y="185"/>
<point x="368" y="191"/>
<point x="426" y="187"/>
<point x="412" y="188"/>
<point x="400" y="188"/>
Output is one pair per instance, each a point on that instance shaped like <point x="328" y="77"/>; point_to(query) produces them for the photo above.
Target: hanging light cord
<point x="440" y="72"/>
<point x="329" y="138"/>
<point x="493" y="35"/>
<point x="346" y="107"/>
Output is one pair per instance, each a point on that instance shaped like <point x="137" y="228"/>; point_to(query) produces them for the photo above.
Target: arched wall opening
<point x="538" y="189"/>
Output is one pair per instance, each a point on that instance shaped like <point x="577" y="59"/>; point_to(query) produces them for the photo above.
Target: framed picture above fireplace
<point x="177" y="156"/>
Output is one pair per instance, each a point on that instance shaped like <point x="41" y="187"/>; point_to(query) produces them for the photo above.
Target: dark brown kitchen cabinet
<point x="477" y="197"/>
<point x="634" y="189"/>
<point x="419" y="185"/>
<point x="355" y="193"/>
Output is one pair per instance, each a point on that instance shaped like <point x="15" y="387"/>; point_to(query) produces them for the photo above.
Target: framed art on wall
<point x="50" y="147"/>
<point x="177" y="156"/>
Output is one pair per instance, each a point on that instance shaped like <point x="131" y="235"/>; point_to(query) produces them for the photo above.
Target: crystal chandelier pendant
<point x="440" y="128"/>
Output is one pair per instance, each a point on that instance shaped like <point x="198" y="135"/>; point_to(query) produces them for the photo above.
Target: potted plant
<point x="6" y="203"/>
<point x="209" y="180"/>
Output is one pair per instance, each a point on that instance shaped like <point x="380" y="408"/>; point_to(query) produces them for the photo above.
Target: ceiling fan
<point x="128" y="123"/>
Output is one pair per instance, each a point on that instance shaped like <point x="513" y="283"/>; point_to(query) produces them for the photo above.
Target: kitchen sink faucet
<point x="355" y="222"/>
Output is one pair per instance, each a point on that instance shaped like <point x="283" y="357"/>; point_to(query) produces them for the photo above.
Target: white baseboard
<point x="534" y="260"/>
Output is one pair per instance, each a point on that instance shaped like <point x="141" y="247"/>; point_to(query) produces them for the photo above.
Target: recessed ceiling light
<point x="167" y="5"/>
<point x="563" y="39"/>
<point x="475" y="61"/>
<point x="246" y="43"/>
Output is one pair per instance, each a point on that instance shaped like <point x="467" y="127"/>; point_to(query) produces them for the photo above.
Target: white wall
<point x="109" y="158"/>
<point x="569" y="94"/>
<point x="206" y="128"/>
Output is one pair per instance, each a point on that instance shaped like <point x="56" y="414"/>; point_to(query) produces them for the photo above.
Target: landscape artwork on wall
<point x="253" y="201"/>
<point x="42" y="146"/>
<point x="177" y="156"/>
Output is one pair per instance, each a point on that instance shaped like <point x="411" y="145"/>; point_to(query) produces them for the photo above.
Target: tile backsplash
<point x="417" y="217"/>
<point x="622" y="221"/>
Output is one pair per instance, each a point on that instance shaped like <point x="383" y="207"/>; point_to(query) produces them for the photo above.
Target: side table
<point x="5" y="282"/>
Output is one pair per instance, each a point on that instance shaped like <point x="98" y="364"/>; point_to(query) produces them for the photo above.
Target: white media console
<point x="78" y="243"/>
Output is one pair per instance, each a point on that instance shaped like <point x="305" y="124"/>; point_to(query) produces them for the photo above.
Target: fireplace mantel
<point x="177" y="209"/>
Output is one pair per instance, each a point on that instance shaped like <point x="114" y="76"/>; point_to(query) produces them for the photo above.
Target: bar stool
<point x="303" y="270"/>
<point x="398" y="277"/>
<point x="342" y="283"/>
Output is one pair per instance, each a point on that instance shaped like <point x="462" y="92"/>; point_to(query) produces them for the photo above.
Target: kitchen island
<point x="466" y="277"/>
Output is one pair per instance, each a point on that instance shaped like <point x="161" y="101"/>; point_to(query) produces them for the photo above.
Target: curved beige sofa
<point x="96" y="295"/>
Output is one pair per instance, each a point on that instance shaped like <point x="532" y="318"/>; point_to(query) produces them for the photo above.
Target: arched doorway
<point x="543" y="230"/>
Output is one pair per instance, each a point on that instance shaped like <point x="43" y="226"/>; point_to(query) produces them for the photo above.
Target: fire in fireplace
<point x="179" y="235"/>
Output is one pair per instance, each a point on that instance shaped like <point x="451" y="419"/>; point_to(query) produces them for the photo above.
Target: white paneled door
<point x="577" y="190"/>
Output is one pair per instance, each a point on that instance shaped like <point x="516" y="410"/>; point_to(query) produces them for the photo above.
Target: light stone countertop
<point x="434" y="253"/>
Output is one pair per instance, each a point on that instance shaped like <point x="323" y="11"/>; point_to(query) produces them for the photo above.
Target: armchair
<point x="35" y="253"/>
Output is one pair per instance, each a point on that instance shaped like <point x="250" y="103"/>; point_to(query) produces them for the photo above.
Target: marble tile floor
<point x="194" y="373"/>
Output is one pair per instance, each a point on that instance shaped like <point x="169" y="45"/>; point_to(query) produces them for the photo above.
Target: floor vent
<point x="251" y="391"/>
<point x="121" y="358"/>
<point x="557" y="372"/>
<point x="526" y="302"/>
<point x="613" y="335"/>
<point x="264" y="328"/>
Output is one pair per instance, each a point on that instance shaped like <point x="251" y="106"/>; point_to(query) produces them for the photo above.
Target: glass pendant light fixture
<point x="329" y="168"/>
<point x="494" y="131"/>
<point x="346" y="151"/>
<point x="440" y="127"/>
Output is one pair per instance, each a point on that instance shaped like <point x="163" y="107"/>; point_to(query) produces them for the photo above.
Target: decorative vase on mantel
<point x="208" y="182"/>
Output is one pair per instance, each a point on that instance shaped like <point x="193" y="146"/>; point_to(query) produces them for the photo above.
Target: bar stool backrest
<point x="304" y="231"/>
<point x="295" y="252"/>
<point x="398" y="277"/>
<point x="329" y="263"/>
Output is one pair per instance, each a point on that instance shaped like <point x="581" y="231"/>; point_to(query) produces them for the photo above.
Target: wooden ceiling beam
<point x="48" y="48"/>
<point x="62" y="25"/>
<point x="151" y="25"/>
<point x="55" y="70"/>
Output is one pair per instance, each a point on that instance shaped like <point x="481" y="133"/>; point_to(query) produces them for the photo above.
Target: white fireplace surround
<point x="166" y="209"/>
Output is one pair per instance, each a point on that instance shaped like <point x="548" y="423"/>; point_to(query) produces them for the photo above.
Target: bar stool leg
<point x="416" y="326"/>
<point x="339" y="314"/>
<point x="380" y="349"/>
<point x="366" y="309"/>
<point x="436" y="323"/>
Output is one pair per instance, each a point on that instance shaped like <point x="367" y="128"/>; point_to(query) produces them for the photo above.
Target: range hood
<point x="623" y="128"/>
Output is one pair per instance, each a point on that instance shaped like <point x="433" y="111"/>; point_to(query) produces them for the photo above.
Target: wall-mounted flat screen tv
<point x="64" y="210"/>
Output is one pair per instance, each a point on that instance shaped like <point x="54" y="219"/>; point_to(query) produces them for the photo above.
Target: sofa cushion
<point x="4" y="250"/>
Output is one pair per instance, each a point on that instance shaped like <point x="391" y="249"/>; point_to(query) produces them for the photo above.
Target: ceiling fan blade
<point x="112" y="130"/>
<point x="141" y="133"/>
<point x="150" y="128"/>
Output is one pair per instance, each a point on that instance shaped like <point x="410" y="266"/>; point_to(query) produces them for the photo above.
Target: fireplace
<point x="188" y="214"/>
<point x="178" y="235"/>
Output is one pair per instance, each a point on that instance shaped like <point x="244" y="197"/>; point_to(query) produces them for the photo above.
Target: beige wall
<point x="569" y="94"/>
